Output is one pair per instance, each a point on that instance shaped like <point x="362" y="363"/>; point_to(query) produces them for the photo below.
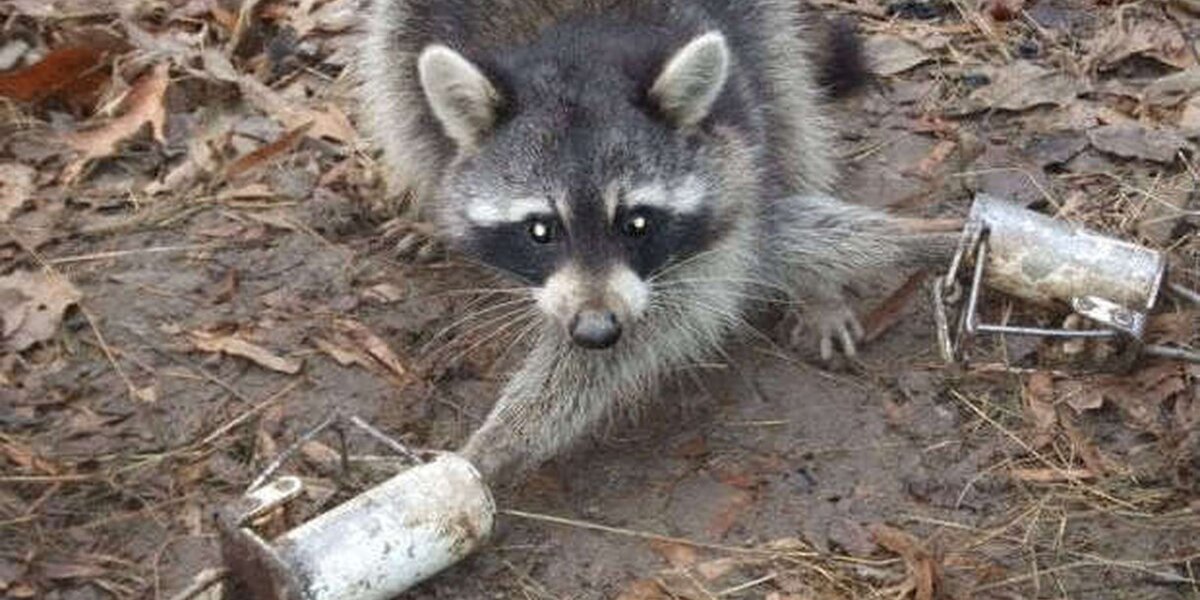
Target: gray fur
<point x="747" y="158"/>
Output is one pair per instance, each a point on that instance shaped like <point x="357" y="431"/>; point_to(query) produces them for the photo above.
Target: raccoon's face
<point x="585" y="180"/>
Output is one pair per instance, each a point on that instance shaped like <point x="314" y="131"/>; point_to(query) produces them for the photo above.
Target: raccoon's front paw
<point x="830" y="321"/>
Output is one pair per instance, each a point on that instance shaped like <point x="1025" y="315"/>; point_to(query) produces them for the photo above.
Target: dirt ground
<point x="199" y="263"/>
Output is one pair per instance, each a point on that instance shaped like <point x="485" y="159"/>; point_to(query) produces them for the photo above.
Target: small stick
<point x="123" y="253"/>
<point x="201" y="582"/>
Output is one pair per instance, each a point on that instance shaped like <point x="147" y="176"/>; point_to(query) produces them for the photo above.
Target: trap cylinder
<point x="1054" y="262"/>
<point x="373" y="547"/>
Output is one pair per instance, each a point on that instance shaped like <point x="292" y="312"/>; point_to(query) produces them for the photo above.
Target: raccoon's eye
<point x="541" y="231"/>
<point x="637" y="225"/>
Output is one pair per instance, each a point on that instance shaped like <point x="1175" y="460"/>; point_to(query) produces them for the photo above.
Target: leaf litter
<point x="190" y="127"/>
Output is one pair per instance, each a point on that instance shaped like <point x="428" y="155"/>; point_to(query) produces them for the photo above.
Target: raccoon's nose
<point x="595" y="329"/>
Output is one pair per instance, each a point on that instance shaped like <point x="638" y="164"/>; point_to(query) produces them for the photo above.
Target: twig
<point x="123" y="253"/>
<point x="242" y="418"/>
<point x="188" y="364"/>
<point x="645" y="535"/>
<point x="201" y="582"/>
<point x="1038" y="455"/>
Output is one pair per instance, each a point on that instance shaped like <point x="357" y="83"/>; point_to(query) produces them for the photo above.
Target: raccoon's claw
<point x="832" y="322"/>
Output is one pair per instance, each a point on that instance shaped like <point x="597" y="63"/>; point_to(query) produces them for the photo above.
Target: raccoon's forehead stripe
<point x="682" y="197"/>
<point x="494" y="211"/>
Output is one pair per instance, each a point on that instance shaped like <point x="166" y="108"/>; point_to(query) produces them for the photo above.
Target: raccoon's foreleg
<point x="560" y="394"/>
<point x="829" y="250"/>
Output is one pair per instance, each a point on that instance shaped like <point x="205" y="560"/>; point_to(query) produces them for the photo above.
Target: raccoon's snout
<point x="595" y="329"/>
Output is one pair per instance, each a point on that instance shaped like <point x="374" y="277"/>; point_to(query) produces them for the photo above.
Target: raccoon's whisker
<point x="474" y="315"/>
<point x="674" y="266"/>
<point x="531" y="324"/>
<point x="517" y="321"/>
<point x="734" y="320"/>
<point x="746" y="281"/>
<point x="515" y="291"/>
<point x="773" y="300"/>
<point x="492" y="321"/>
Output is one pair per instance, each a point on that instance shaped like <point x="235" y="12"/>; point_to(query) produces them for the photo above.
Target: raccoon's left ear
<point x="692" y="79"/>
<point x="459" y="94"/>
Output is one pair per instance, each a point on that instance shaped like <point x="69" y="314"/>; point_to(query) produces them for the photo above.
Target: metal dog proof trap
<point x="372" y="547"/>
<point x="1112" y="283"/>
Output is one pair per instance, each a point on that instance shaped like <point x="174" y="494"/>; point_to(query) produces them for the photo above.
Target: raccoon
<point x="647" y="169"/>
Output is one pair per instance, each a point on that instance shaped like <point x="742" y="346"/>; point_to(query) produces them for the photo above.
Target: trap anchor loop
<point x="1048" y="262"/>
<point x="371" y="547"/>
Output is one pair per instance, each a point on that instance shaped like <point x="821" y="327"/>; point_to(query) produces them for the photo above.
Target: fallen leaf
<point x="1165" y="200"/>
<point x="1056" y="148"/>
<point x="891" y="310"/>
<point x="16" y="188"/>
<point x="1080" y="396"/>
<point x="932" y="163"/>
<point x="1133" y="140"/>
<point x="1023" y="85"/>
<point x="256" y="159"/>
<point x="1182" y="328"/>
<point x="922" y="570"/>
<point x="373" y="345"/>
<point x="25" y="458"/>
<point x="327" y="122"/>
<point x="1003" y="10"/>
<point x="1039" y="407"/>
<point x="727" y="515"/>
<point x="143" y="105"/>
<point x="233" y="345"/>
<point x="31" y="308"/>
<point x="75" y="76"/>
<point x="343" y="355"/>
<point x="1172" y="89"/>
<point x="1146" y="36"/>
<point x="643" y="589"/>
<point x="1189" y="119"/>
<point x="1083" y="446"/>
<point x="680" y="556"/>
<point x="890" y="55"/>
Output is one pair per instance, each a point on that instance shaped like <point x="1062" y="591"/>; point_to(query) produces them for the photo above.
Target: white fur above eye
<point x="682" y="197"/>
<point x="459" y="94"/>
<point x="488" y="212"/>
<point x="693" y="79"/>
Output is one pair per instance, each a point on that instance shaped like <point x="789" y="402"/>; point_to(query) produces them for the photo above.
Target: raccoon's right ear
<point x="459" y="94"/>
<point x="692" y="79"/>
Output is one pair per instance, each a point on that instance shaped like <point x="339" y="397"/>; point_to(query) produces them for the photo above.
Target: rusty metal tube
<point x="375" y="545"/>
<point x="1052" y="262"/>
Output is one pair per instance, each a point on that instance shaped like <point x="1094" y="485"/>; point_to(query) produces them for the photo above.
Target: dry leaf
<point x="644" y="589"/>
<point x="922" y="569"/>
<point x="143" y="105"/>
<point x="1172" y="89"/>
<point x="373" y="345"/>
<point x="75" y="76"/>
<point x="1039" y="407"/>
<point x="16" y="188"/>
<point x="31" y="308"/>
<point x="1003" y="10"/>
<point x="343" y="355"/>
<point x="890" y="55"/>
<point x="680" y="556"/>
<point x="1157" y="39"/>
<point x="236" y="346"/>
<point x="286" y="143"/>
<point x="1133" y="140"/>
<point x="889" y="313"/>
<point x="327" y="122"/>
<point x="1022" y="85"/>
